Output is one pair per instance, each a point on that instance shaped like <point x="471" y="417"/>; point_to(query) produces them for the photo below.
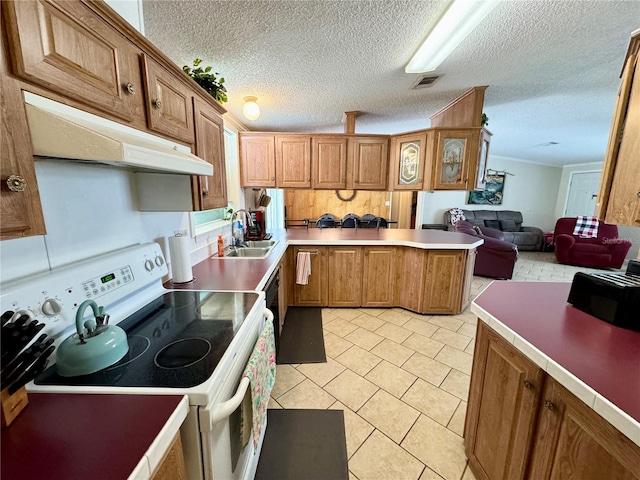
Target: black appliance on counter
<point x="612" y="297"/>
<point x="258" y="230"/>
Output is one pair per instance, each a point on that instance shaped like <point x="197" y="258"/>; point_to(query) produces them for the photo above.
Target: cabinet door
<point x="408" y="161"/>
<point x="329" y="162"/>
<point x="455" y="150"/>
<point x="344" y="276"/>
<point x="70" y="50"/>
<point x="20" y="208"/>
<point x="503" y="400"/>
<point x="378" y="276"/>
<point x="172" y="466"/>
<point x="623" y="206"/>
<point x="478" y="171"/>
<point x="169" y="104"/>
<point x="283" y="297"/>
<point x="410" y="278"/>
<point x="468" y="277"/>
<point x="573" y="441"/>
<point x="293" y="161"/>
<point x="257" y="160"/>
<point x="209" y="192"/>
<point x="314" y="294"/>
<point x="445" y="270"/>
<point x="369" y="159"/>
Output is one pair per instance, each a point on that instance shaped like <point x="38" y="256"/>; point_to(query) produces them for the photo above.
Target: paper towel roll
<point x="180" y="259"/>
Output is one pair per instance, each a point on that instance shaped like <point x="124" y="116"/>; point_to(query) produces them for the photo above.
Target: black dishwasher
<point x="271" y="294"/>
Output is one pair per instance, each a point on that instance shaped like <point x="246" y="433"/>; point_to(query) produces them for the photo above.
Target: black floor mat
<point x="301" y="340"/>
<point x="304" y="445"/>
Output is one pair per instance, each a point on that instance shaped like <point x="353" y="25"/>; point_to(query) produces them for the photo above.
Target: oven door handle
<point x="224" y="409"/>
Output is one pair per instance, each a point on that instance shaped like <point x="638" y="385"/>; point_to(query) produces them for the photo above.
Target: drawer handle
<point x="549" y="404"/>
<point x="273" y="178"/>
<point x="131" y="89"/>
<point x="16" y="183"/>
<point x="158" y="104"/>
<point x="527" y="384"/>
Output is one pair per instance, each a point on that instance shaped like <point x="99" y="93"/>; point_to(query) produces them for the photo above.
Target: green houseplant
<point x="207" y="80"/>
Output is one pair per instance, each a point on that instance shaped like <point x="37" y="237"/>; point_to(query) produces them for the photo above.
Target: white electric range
<point x="185" y="342"/>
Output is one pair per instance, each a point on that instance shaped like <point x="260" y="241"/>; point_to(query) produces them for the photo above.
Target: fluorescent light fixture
<point x="250" y="109"/>
<point x="458" y="21"/>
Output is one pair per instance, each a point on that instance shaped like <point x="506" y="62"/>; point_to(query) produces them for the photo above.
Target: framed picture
<point x="492" y="193"/>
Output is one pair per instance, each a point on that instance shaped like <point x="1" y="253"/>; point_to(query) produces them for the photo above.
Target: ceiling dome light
<point x="250" y="109"/>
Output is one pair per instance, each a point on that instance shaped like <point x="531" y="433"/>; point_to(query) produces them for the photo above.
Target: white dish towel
<point x="303" y="268"/>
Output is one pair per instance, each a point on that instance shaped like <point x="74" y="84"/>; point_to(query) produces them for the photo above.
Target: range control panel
<point x="54" y="297"/>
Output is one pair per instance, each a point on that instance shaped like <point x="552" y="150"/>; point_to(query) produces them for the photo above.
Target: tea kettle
<point x="95" y="346"/>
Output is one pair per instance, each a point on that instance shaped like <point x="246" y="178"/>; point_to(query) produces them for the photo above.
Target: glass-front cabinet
<point x="408" y="153"/>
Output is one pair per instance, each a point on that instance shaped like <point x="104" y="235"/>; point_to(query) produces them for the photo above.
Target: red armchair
<point x="496" y="258"/>
<point x="604" y="251"/>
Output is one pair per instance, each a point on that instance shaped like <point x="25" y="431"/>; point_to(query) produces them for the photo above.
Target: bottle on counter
<point x="220" y="246"/>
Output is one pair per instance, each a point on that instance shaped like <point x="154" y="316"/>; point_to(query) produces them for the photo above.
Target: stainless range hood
<point x="57" y="132"/>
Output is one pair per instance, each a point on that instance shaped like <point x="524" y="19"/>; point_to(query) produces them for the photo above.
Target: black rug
<point x="301" y="340"/>
<point x="304" y="445"/>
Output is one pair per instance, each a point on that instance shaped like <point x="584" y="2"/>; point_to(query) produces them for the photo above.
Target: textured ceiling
<point x="552" y="66"/>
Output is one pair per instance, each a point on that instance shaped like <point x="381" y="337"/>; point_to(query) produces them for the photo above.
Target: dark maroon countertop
<point x="82" y="436"/>
<point x="250" y="274"/>
<point x="603" y="356"/>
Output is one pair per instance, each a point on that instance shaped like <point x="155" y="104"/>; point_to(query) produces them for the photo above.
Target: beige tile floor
<point x="402" y="380"/>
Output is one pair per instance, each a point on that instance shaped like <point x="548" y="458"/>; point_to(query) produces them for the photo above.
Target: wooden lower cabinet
<point x="424" y="281"/>
<point x="503" y="400"/>
<point x="472" y="255"/>
<point x="572" y="441"/>
<point x="378" y="276"/>
<point x="444" y="281"/>
<point x="314" y="294"/>
<point x="522" y="424"/>
<point x="172" y="465"/>
<point x="344" y="277"/>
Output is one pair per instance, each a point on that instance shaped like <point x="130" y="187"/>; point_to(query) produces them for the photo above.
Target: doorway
<point x="583" y="193"/>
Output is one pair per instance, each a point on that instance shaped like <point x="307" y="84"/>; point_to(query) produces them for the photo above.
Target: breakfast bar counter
<point x="552" y="388"/>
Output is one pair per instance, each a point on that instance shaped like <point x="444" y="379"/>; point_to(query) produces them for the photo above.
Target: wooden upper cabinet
<point x="619" y="196"/>
<point x="67" y="48"/>
<point x="408" y="161"/>
<point x="455" y="150"/>
<point x="378" y="276"/>
<point x="573" y="441"/>
<point x="169" y="102"/>
<point x="209" y="192"/>
<point x="20" y="207"/>
<point x="503" y="400"/>
<point x="344" y="276"/>
<point x="329" y="162"/>
<point x="369" y="159"/>
<point x="478" y="169"/>
<point x="293" y="161"/>
<point x="257" y="160"/>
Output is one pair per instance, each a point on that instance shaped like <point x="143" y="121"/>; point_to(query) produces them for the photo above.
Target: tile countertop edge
<point x="606" y="409"/>
<point x="162" y="442"/>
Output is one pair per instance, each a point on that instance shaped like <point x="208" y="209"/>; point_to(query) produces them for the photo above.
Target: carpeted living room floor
<point x="402" y="380"/>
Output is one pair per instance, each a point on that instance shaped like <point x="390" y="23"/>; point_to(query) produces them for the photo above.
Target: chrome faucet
<point x="247" y="221"/>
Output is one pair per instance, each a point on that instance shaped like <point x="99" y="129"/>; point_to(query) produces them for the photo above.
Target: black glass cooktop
<point x="175" y="341"/>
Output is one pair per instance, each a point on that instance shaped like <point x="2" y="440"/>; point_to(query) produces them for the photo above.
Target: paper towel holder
<point x="180" y="234"/>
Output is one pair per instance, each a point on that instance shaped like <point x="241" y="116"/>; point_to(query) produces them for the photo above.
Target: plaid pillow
<point x="456" y="215"/>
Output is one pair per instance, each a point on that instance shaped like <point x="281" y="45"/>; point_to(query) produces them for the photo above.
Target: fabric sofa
<point x="604" y="251"/>
<point x="508" y="221"/>
<point x="496" y="258"/>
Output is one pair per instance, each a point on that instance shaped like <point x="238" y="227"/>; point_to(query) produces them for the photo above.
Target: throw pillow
<point x="492" y="224"/>
<point x="456" y="215"/>
<point x="508" y="226"/>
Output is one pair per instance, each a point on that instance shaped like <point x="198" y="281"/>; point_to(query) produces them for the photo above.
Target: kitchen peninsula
<point x="555" y="392"/>
<point x="425" y="271"/>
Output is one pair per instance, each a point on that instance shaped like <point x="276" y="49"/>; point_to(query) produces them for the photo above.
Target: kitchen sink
<point x="261" y="243"/>
<point x="249" y="252"/>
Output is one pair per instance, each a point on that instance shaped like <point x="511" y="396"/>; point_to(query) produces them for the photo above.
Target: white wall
<point x="532" y="190"/>
<point x="90" y="210"/>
